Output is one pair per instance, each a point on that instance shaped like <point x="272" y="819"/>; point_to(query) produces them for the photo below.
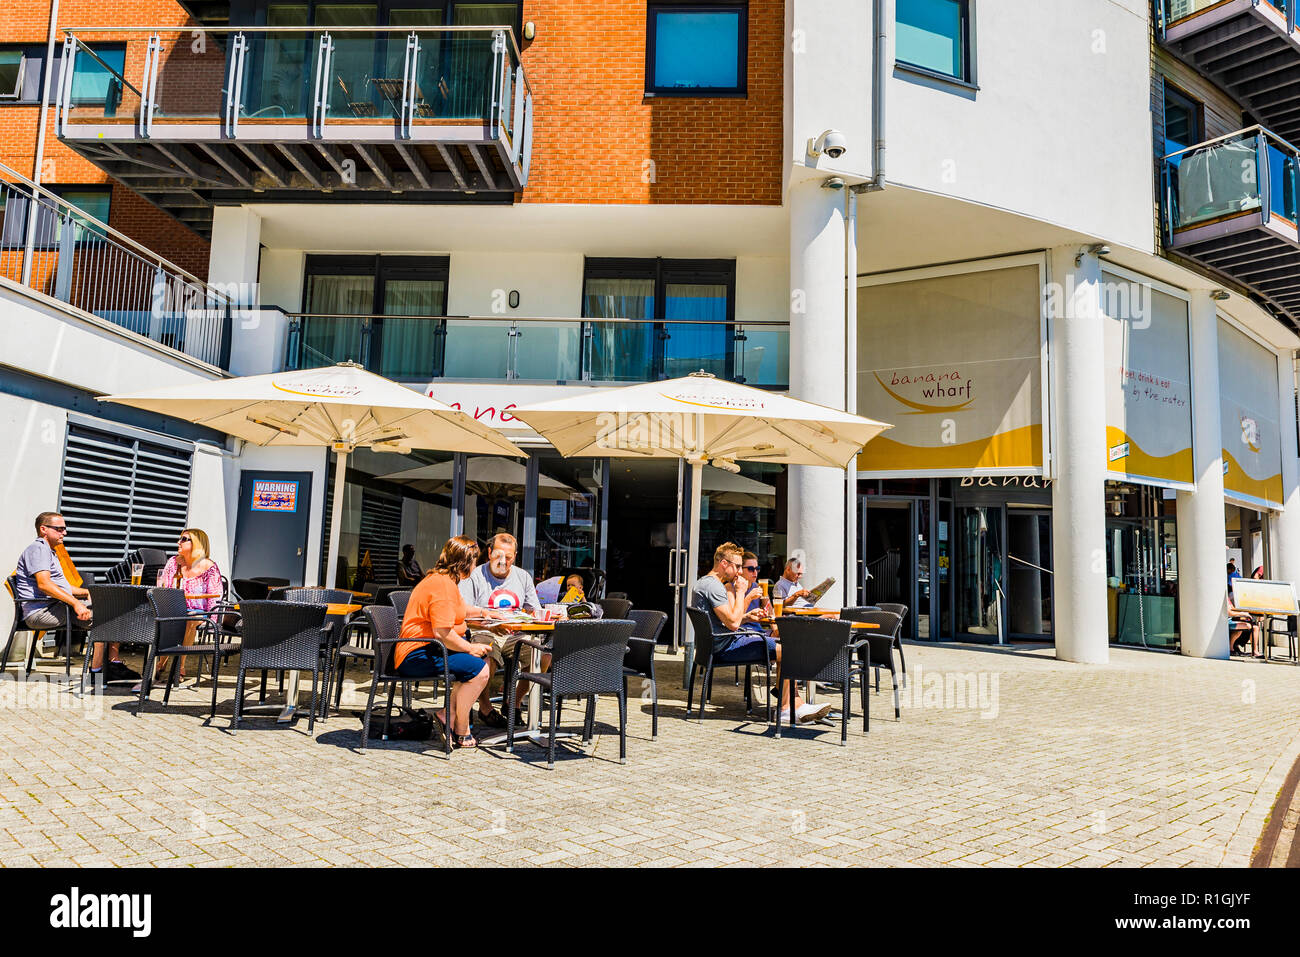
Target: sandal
<point x="464" y="741"/>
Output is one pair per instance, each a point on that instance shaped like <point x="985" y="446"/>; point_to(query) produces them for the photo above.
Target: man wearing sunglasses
<point x="48" y="598"/>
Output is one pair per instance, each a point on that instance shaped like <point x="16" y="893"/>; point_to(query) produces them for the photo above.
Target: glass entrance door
<point x="977" y="572"/>
<point x="895" y="560"/>
<point x="1029" y="576"/>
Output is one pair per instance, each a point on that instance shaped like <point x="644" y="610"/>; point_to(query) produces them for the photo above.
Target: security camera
<point x="832" y="142"/>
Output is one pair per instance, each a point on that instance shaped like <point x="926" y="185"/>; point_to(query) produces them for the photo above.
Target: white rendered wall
<point x="1079" y="468"/>
<point x="1203" y="595"/>
<point x="235" y="245"/>
<point x="1285" y="525"/>
<point x="549" y="284"/>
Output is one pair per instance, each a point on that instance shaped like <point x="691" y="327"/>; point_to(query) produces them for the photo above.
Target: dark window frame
<point x="114" y="95"/>
<point x="664" y="272"/>
<point x="47" y="236"/>
<point x="31" y="75"/>
<point x="967" y="77"/>
<point x="1176" y="93"/>
<point x="740" y="90"/>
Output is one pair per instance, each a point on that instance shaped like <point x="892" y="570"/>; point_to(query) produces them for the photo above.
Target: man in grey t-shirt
<point x="494" y="589"/>
<point x="724" y="594"/>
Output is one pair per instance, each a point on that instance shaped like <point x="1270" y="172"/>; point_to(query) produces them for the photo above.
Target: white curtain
<point x="326" y="341"/>
<point x="621" y="351"/>
<point x="408" y="345"/>
<point x="690" y="348"/>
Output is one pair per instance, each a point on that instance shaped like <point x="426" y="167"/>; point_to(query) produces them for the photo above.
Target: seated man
<point x="47" y="598"/>
<point x="495" y="589"/>
<point x="724" y="595"/>
<point x="409" y="572"/>
<point x="787" y="586"/>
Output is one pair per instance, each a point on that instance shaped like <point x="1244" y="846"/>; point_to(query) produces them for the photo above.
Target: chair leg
<point x="749" y="689"/>
<point x="146" y="679"/>
<point x="388" y="712"/>
<point x="898" y="646"/>
<point x="510" y="710"/>
<point x="654" y="710"/>
<point x="893" y="677"/>
<point x="4" y="657"/>
<point x="239" y="696"/>
<point x="550" y="744"/>
<point x="311" y="720"/>
<point x="338" y="689"/>
<point x="706" y="681"/>
<point x="844" y="713"/>
<point x="365" y="721"/>
<point x="85" y="665"/>
<point x="589" y="722"/>
<point x="866" y="704"/>
<point x="877" y="670"/>
<point x="622" y="726"/>
<point x="737" y="670"/>
<point x="261" y="695"/>
<point x="216" y="672"/>
<point x="778" y="714"/>
<point x="31" y="649"/>
<point x="171" y="676"/>
<point x="690" y="692"/>
<point x="67" y="646"/>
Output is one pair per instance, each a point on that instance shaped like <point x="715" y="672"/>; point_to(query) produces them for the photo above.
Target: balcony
<point x="1231" y="204"/>
<point x="191" y="118"/>
<point x="554" y="351"/>
<point x="1251" y="48"/>
<point x="61" y="252"/>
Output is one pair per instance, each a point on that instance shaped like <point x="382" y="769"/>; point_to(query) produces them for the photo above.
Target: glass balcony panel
<point x="1176" y="10"/>
<point x="1282" y="171"/>
<point x="102" y="87"/>
<point x="279" y="70"/>
<point x="408" y="347"/>
<point x="1214" y="182"/>
<point x="325" y="340"/>
<point x="477" y="349"/>
<point x="622" y="351"/>
<point x="192" y="75"/>
<point x="454" y="76"/>
<point x="549" y="351"/>
<point x="762" y="357"/>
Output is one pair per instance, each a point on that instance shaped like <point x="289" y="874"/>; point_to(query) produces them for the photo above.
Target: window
<point x="1183" y="121"/>
<point x="22" y="76"/>
<point x="696" y="49"/>
<point x="11" y="74"/>
<point x="933" y="36"/>
<point x="93" y="200"/>
<point x="700" y="294"/>
<point x="97" y="75"/>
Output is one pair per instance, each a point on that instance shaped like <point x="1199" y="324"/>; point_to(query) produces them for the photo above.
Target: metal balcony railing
<point x="1232" y="204"/>
<point x="51" y="246"/>
<point x="1247" y="175"/>
<point x="554" y="350"/>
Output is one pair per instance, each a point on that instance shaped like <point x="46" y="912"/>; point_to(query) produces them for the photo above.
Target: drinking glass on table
<point x="137" y="573"/>
<point x="778" y="607"/>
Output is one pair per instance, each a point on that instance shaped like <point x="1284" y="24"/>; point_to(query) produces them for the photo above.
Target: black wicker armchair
<point x="704" y="664"/>
<point x="385" y="628"/>
<point x="880" y="645"/>
<point x="399" y="599"/>
<point x="614" y="607"/>
<point x="122" y="615"/>
<point x="821" y="649"/>
<point x="171" y="619"/>
<point x="282" y="636"/>
<point x="11" y="583"/>
<point x="901" y="612"/>
<point x="640" y="659"/>
<point x="586" y="660"/>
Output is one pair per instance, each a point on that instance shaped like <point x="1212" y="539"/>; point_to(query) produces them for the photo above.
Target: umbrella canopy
<point x="701" y="419"/>
<point x="729" y="490"/>
<point x="342" y="407"/>
<point x="488" y="476"/>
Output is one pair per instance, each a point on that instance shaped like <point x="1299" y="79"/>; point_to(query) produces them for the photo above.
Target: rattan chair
<point x="319" y="596"/>
<point x="878" y="651"/>
<point x="901" y="612"/>
<point x="640" y="659"/>
<point x="122" y="615"/>
<point x="250" y="589"/>
<point x="11" y="583"/>
<point x="586" y="660"/>
<point x="614" y="607"/>
<point x="171" y="618"/>
<point x="385" y="628"/>
<point x="702" y="628"/>
<point x="822" y="649"/>
<point x="282" y="636"/>
<point x="399" y="600"/>
<point x="357" y="644"/>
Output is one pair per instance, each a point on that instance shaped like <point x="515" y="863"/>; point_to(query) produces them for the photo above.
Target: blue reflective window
<point x="94" y="79"/>
<point x="933" y="35"/>
<point x="694" y="49"/>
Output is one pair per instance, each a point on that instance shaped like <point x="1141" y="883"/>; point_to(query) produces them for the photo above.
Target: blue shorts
<point x="425" y="662"/>
<point x="746" y="648"/>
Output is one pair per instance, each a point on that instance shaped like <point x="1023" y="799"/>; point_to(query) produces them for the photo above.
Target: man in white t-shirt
<point x="494" y="589"/>
<point x="787" y="587"/>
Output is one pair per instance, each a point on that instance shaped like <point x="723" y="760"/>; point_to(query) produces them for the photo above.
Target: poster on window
<point x="1148" y="384"/>
<point x="1248" y="419"/>
<point x="955" y="363"/>
<point x="275" y="496"/>
<point x="580" y="510"/>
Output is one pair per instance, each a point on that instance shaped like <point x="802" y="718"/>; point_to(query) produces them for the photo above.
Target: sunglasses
<point x="183" y="539"/>
<point x="56" y="528"/>
<point x="751" y="568"/>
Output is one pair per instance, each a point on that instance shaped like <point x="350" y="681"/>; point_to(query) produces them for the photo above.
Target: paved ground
<point x="1153" y="760"/>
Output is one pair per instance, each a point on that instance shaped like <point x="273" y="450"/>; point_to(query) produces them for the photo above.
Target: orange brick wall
<point x="595" y="131"/>
<point x="25" y="21"/>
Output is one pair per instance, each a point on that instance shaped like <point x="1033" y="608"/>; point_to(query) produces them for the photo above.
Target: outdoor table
<point x="808" y="686"/>
<point x="532" y="732"/>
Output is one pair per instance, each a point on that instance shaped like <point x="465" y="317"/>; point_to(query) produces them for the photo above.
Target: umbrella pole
<point x="693" y="562"/>
<point x="336" y="520"/>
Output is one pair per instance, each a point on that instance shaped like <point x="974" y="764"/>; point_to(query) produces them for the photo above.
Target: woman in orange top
<point x="437" y="610"/>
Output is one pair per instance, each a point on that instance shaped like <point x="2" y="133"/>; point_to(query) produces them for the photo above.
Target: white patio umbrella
<point x="489" y="476"/>
<point x="729" y="490"/>
<point x="701" y="419"/>
<point x="342" y="407"/>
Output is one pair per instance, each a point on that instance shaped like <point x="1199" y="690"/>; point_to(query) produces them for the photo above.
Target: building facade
<point x="1063" y="271"/>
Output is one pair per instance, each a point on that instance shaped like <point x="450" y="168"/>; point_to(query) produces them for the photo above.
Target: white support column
<point x="1079" y="489"/>
<point x="817" y="335"/>
<point x="236" y="240"/>
<point x="1202" y="581"/>
<point x="1284" y="530"/>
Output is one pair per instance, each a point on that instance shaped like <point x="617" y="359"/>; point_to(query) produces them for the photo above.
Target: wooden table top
<point x="334" y="609"/>
<point x="857" y="624"/>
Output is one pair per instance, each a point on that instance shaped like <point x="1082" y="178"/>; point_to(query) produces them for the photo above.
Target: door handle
<point x="299" y="549"/>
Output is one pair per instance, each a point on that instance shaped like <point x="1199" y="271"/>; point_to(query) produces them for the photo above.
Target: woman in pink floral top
<point x="191" y="570"/>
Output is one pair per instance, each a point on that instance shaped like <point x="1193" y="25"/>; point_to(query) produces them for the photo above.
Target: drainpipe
<point x="42" y="122"/>
<point x="881" y="23"/>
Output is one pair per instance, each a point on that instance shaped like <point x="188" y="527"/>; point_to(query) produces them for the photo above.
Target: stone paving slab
<point x="1001" y="758"/>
